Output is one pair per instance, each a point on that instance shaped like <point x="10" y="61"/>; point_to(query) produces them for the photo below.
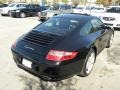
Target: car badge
<point x="30" y="48"/>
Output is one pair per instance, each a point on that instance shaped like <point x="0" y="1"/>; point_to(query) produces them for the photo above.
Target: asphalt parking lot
<point x="105" y="75"/>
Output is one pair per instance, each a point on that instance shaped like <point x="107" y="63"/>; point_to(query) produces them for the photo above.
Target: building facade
<point x="50" y="2"/>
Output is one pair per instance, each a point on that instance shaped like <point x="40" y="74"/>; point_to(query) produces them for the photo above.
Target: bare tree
<point x="55" y="1"/>
<point x="3" y="1"/>
<point x="76" y="2"/>
<point x="117" y="1"/>
<point x="104" y="2"/>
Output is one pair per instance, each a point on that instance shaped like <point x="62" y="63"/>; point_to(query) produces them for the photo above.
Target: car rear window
<point x="59" y="26"/>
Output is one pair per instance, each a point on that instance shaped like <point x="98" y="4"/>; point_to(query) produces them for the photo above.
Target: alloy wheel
<point x="90" y="62"/>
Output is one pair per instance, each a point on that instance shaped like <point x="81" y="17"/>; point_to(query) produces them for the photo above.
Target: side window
<point x="62" y="7"/>
<point x="86" y="29"/>
<point x="96" y="23"/>
<point x="55" y="8"/>
<point x="67" y="7"/>
<point x="29" y="6"/>
<point x="33" y="6"/>
<point x="20" y="5"/>
<point x="36" y="6"/>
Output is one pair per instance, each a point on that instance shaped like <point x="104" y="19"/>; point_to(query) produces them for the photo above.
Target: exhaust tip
<point x="46" y="77"/>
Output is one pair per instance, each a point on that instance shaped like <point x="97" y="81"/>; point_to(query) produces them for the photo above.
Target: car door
<point x="101" y="32"/>
<point x="34" y="9"/>
<point x="29" y="9"/>
<point x="68" y="9"/>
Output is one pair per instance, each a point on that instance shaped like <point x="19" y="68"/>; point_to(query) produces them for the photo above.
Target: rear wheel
<point x="9" y="13"/>
<point x="89" y="63"/>
<point x="22" y="15"/>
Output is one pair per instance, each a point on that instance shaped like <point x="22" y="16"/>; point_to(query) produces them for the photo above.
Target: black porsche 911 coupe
<point x="63" y="46"/>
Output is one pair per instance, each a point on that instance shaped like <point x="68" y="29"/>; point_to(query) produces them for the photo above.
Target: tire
<point x="2" y="14"/>
<point x="54" y="14"/>
<point x="110" y="41"/>
<point x="22" y="15"/>
<point x="12" y="16"/>
<point x="89" y="63"/>
<point x="9" y="13"/>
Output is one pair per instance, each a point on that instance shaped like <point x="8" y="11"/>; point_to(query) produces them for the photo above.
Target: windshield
<point x="97" y="8"/>
<point x="80" y="8"/>
<point x="53" y="8"/>
<point x="21" y="5"/>
<point x="59" y="26"/>
<point x="113" y="10"/>
<point x="11" y="5"/>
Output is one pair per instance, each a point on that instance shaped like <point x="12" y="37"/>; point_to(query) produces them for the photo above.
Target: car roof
<point x="19" y="3"/>
<point x="114" y="6"/>
<point x="81" y="17"/>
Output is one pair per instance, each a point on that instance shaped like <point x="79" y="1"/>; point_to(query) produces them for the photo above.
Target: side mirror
<point x="107" y="27"/>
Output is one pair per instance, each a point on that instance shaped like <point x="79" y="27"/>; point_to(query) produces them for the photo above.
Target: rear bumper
<point x="49" y="72"/>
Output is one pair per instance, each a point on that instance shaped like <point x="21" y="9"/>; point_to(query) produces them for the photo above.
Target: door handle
<point x="100" y="39"/>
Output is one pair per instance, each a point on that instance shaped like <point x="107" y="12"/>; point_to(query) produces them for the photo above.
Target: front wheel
<point x="89" y="63"/>
<point x="9" y="13"/>
<point x="22" y="15"/>
<point x="3" y="15"/>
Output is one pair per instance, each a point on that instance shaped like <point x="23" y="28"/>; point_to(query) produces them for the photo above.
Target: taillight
<point x="14" y="45"/>
<point x="55" y="55"/>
